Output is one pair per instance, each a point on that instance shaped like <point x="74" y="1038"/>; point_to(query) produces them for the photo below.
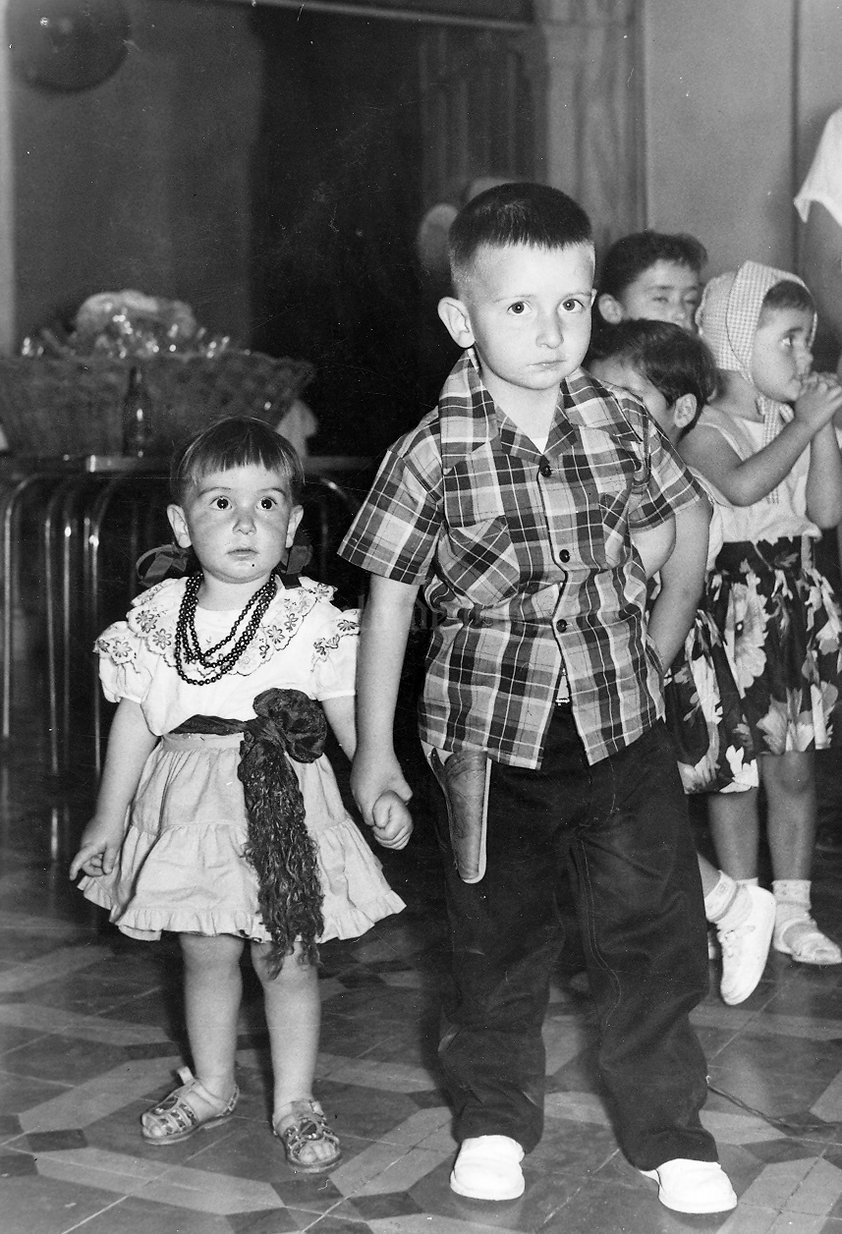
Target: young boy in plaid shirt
<point x="512" y="503"/>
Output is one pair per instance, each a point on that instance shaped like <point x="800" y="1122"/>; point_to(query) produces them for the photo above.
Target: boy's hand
<point x="392" y="820"/>
<point x="819" y="400"/>
<point x="98" y="849"/>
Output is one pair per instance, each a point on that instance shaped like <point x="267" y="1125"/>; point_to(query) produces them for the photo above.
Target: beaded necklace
<point x="216" y="659"/>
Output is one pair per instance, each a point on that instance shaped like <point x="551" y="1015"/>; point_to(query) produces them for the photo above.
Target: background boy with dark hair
<point x="542" y="707"/>
<point x="652" y="275"/>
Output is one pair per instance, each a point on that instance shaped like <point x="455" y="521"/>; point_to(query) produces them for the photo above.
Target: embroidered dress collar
<point x="154" y="614"/>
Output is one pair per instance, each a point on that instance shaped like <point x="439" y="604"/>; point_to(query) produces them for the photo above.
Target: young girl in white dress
<point x="218" y="816"/>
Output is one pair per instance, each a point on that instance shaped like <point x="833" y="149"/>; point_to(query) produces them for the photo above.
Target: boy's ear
<point x="295" y="516"/>
<point x="179" y="526"/>
<point x="454" y="314"/>
<point x="684" y="410"/>
<point x="610" y="309"/>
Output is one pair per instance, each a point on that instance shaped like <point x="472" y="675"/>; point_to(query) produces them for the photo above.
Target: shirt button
<point x="544" y="468"/>
<point x="564" y="555"/>
<point x="561" y="626"/>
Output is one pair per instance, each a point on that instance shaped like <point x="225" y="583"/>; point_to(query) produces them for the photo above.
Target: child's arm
<point x="745" y="481"/>
<point x="824" y="479"/>
<point x="384" y="631"/>
<point x="129" y="745"/>
<point x="654" y="545"/>
<point x="339" y="713"/>
<point x="392" y="820"/>
<point x="682" y="579"/>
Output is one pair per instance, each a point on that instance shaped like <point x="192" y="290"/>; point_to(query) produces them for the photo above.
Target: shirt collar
<point x="468" y="416"/>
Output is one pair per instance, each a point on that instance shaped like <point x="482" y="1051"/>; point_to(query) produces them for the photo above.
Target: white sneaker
<point x="488" y="1168"/>
<point x="688" y="1186"/>
<point x="745" y="946"/>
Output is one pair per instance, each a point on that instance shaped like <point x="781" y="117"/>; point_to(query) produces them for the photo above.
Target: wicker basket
<point x="73" y="405"/>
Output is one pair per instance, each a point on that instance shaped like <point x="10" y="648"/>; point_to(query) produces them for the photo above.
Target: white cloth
<point x="823" y="182"/>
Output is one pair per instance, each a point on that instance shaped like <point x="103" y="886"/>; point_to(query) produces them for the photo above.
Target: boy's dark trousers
<point x="621" y="826"/>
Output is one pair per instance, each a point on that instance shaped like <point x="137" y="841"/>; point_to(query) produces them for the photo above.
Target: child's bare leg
<point x="213" y="988"/>
<point x="293" y="1017"/>
<point x="789" y="781"/>
<point x="212" y="992"/>
<point x="735" y="827"/>
<point x="791" y="794"/>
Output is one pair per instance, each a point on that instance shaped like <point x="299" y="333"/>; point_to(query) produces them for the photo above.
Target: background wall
<point x="735" y="98"/>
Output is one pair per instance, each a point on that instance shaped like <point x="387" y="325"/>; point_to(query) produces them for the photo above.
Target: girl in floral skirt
<point x="218" y="816"/>
<point x="767" y="443"/>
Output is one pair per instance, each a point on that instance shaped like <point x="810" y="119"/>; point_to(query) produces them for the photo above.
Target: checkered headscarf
<point x="727" y="319"/>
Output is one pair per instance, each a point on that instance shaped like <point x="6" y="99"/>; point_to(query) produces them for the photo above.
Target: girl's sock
<point x="796" y="933"/>
<point x="743" y="916"/>
<point x="721" y="899"/>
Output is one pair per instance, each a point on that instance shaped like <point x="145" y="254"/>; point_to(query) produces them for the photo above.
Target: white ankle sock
<point x="792" y="897"/>
<point x="719" y="901"/>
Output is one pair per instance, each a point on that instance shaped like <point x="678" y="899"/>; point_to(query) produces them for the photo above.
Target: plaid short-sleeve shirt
<point x="526" y="562"/>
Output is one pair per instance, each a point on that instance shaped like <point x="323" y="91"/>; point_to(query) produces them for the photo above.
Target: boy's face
<point x="781" y="355"/>
<point x="619" y="372"/>
<point x="667" y="291"/>
<point x="527" y="311"/>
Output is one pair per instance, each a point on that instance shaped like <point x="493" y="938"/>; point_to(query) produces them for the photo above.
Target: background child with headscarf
<point x="767" y="443"/>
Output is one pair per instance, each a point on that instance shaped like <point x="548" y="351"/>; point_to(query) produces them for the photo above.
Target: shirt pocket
<point x="478" y="560"/>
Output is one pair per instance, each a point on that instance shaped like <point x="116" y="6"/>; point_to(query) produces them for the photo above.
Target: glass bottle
<point x="137" y="421"/>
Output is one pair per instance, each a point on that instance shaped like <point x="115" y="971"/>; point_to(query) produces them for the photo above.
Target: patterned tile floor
<point x="91" y="1032"/>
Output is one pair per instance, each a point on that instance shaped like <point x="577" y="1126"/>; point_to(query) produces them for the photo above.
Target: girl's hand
<point x="375" y="776"/>
<point x="819" y="400"/>
<point x="98" y="849"/>
<point x="392" y="820"/>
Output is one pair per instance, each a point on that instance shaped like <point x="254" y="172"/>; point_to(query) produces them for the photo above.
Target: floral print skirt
<point x="761" y="667"/>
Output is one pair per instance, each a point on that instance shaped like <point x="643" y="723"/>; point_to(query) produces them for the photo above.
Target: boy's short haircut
<point x="631" y="255"/>
<point x="517" y="213"/>
<point x="787" y="295"/>
<point x="237" y="441"/>
<point x="673" y="360"/>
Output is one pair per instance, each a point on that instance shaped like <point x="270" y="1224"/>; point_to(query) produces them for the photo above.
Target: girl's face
<point x="239" y="522"/>
<point x="781" y="356"/>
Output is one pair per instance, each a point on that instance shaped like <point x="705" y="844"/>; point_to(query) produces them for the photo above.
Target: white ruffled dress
<point x="181" y="867"/>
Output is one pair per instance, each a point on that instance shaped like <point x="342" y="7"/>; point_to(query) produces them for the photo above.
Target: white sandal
<point x="172" y="1120"/>
<point x="801" y="938"/>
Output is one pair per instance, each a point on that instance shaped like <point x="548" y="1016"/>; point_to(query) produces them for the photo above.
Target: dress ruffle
<point x="181" y="866"/>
